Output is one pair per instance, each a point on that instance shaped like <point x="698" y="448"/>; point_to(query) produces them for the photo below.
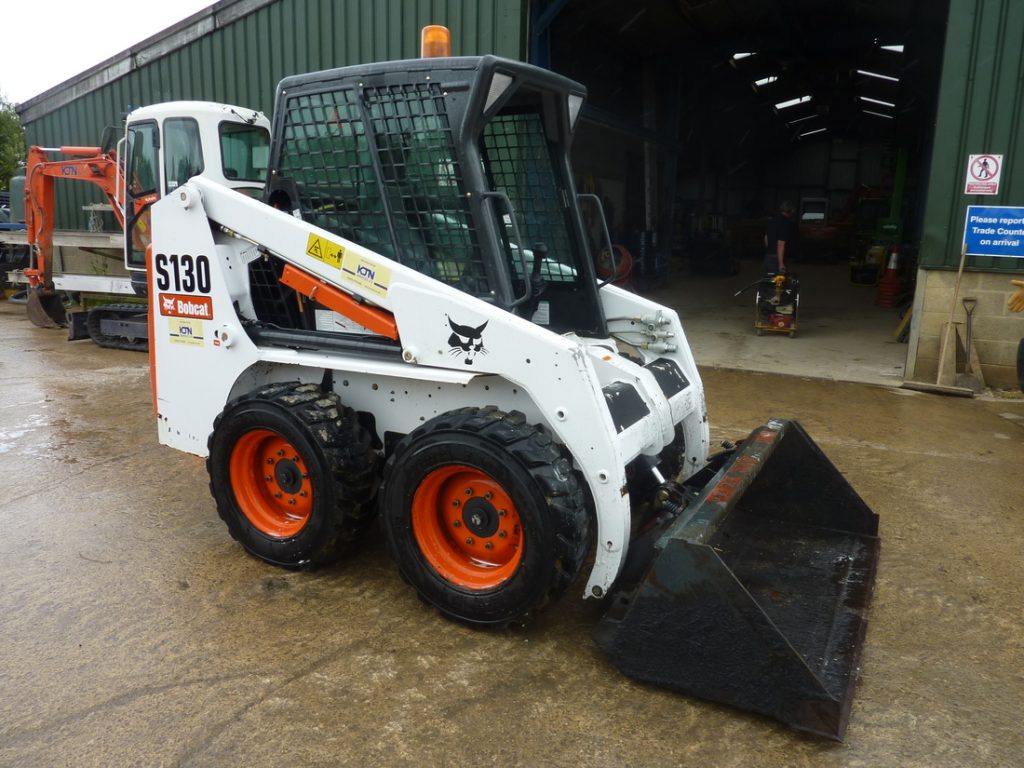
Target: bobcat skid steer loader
<point x="409" y="323"/>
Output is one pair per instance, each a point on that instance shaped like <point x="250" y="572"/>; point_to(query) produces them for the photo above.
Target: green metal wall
<point x="980" y="110"/>
<point x="242" y="62"/>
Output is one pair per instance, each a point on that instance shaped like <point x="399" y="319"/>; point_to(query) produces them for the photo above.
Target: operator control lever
<point x="540" y="253"/>
<point x="537" y="282"/>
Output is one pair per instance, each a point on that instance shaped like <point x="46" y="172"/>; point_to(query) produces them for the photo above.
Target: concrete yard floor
<point x="136" y="632"/>
<point x="841" y="333"/>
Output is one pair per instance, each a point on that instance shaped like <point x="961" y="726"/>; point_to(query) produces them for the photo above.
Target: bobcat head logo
<point x="466" y="340"/>
<point x="168" y="303"/>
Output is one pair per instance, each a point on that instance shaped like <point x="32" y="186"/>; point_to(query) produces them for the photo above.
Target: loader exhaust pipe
<point x="757" y="593"/>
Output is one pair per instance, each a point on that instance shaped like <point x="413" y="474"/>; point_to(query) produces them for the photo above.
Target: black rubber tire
<point x="537" y="475"/>
<point x="341" y="464"/>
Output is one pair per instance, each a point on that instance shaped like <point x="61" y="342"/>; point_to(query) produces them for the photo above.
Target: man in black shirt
<point x="778" y="240"/>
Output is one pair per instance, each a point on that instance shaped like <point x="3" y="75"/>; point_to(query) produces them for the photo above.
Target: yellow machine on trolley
<point x="777" y="305"/>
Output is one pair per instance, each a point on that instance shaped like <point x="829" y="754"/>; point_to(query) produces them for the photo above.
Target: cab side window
<point x="142" y="149"/>
<point x="143" y="189"/>
<point x="183" y="152"/>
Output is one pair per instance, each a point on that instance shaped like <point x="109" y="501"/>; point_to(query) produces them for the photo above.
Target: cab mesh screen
<point x="378" y="166"/>
<point x="518" y="162"/>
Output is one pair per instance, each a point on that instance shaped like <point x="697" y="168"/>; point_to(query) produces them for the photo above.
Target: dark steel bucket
<point x="45" y="310"/>
<point x="757" y="594"/>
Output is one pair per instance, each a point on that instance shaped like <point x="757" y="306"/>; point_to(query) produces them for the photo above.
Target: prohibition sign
<point x="983" y="174"/>
<point x="985" y="167"/>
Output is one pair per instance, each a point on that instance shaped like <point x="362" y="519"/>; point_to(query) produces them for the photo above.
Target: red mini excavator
<point x="97" y="165"/>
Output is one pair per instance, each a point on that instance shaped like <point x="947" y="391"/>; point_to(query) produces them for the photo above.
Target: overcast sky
<point x="45" y="42"/>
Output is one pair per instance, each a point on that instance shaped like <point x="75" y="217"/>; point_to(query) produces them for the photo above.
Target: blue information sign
<point x="994" y="230"/>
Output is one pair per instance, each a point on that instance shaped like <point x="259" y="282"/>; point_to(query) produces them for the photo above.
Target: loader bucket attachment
<point x="757" y="593"/>
<point x="45" y="310"/>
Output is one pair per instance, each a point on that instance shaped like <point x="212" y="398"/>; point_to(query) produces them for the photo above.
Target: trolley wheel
<point x="484" y="515"/>
<point x="293" y="474"/>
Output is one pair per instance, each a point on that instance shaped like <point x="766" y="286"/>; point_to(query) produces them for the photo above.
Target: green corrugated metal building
<point x="236" y="51"/>
<point x="666" y="121"/>
<point x="980" y="111"/>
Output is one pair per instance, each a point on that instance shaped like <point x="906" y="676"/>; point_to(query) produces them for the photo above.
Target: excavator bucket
<point x="757" y="593"/>
<point x="46" y="310"/>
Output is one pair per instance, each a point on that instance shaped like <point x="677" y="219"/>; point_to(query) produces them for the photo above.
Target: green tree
<point x="12" y="141"/>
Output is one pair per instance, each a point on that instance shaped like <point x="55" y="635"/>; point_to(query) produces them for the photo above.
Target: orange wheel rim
<point x="467" y="527"/>
<point x="271" y="483"/>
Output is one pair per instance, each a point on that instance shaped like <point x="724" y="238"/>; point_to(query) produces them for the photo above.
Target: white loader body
<point x="205" y="236"/>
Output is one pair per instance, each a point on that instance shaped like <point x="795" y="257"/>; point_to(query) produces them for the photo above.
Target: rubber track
<point x="116" y="342"/>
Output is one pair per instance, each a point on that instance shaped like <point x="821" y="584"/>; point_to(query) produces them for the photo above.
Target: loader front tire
<point x="484" y="515"/>
<point x="293" y="474"/>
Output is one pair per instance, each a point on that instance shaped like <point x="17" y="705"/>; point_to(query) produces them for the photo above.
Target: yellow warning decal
<point x="185" y="331"/>
<point x="366" y="273"/>
<point x="324" y="250"/>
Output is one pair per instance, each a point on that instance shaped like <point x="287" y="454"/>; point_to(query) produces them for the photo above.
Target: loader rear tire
<point x="293" y="474"/>
<point x="484" y="515"/>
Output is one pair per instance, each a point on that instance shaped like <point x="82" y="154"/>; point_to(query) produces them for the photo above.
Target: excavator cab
<point x="163" y="147"/>
<point x="167" y="144"/>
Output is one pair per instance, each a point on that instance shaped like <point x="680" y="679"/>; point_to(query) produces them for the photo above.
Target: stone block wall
<point x="996" y="330"/>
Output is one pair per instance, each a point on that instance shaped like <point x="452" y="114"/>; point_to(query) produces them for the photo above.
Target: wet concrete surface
<point x="136" y="632"/>
<point x="841" y="333"/>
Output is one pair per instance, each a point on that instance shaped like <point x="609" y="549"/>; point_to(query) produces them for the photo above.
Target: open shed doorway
<point x="705" y="115"/>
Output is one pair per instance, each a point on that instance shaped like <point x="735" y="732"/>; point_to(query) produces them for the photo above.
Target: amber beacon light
<point x="435" y="41"/>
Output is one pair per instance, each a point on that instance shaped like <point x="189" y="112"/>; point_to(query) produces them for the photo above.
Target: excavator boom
<point x="89" y="164"/>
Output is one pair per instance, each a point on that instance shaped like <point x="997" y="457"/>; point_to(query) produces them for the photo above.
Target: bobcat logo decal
<point x="466" y="340"/>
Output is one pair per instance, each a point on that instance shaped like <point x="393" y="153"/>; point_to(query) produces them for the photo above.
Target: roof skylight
<point x="878" y="75"/>
<point x="877" y="101"/>
<point x="793" y="102"/>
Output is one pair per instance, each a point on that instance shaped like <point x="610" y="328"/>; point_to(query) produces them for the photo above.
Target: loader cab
<point x="167" y="144"/>
<point x="455" y="167"/>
